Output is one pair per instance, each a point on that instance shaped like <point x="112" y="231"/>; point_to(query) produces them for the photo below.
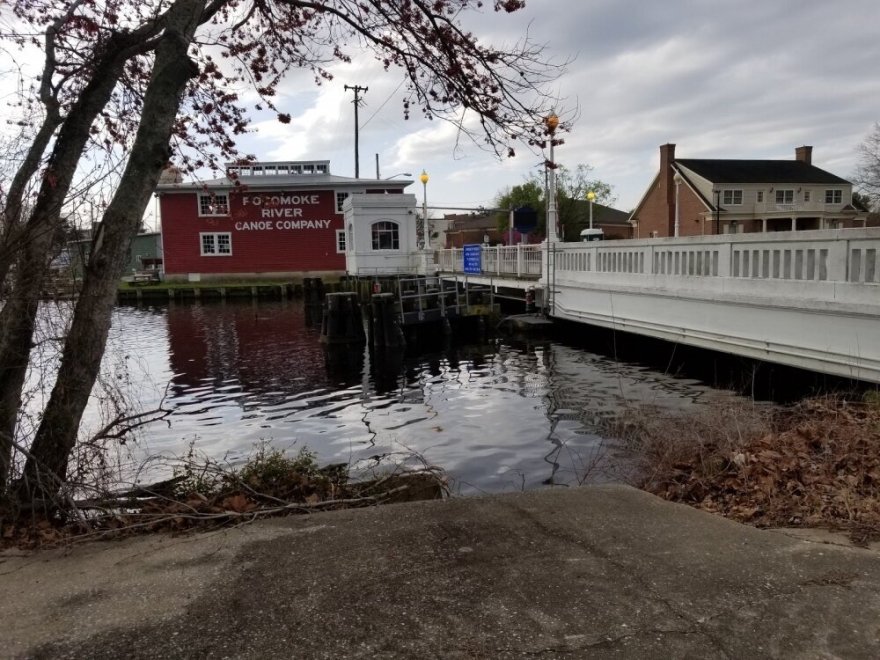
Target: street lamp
<point x="424" y="179"/>
<point x="677" y="180"/>
<point x="551" y="122"/>
<point x="591" y="197"/>
<point x="398" y="174"/>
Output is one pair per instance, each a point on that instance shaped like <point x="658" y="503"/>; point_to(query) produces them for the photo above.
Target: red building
<point x="279" y="219"/>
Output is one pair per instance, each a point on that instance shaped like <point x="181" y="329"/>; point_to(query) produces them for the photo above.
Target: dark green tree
<point x="572" y="187"/>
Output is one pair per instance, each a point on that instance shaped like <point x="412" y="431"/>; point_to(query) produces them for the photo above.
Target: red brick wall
<point x="657" y="210"/>
<point x="689" y="219"/>
<point x="275" y="247"/>
<point x="652" y="215"/>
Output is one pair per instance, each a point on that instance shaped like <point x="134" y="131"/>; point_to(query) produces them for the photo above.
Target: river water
<point x="501" y="415"/>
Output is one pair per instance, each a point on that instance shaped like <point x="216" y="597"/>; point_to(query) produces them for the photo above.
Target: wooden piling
<point x="342" y="324"/>
<point x="384" y="323"/>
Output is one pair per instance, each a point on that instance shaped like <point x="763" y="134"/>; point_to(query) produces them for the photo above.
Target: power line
<point x="399" y="85"/>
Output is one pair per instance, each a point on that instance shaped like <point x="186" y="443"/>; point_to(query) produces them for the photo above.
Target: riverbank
<point x="569" y="572"/>
<point x="815" y="464"/>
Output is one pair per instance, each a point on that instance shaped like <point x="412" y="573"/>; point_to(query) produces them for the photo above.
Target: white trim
<point x="835" y="192"/>
<point x="342" y="233"/>
<point x="395" y="233"/>
<point x="732" y="192"/>
<point x="215" y="196"/>
<point x="216" y="243"/>
<point x="784" y="200"/>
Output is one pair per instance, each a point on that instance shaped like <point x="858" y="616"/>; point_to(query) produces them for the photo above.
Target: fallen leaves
<point x="816" y="465"/>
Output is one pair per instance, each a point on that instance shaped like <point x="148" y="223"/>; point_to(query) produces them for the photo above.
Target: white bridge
<point x="808" y="299"/>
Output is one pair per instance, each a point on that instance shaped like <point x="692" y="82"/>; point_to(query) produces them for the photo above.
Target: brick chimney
<point x="804" y="154"/>
<point x="667" y="185"/>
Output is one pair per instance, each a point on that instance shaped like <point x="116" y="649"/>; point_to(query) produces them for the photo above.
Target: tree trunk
<point x="84" y="347"/>
<point x="19" y="311"/>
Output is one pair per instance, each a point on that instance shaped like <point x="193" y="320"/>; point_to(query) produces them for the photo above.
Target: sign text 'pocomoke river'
<point x="280" y="206"/>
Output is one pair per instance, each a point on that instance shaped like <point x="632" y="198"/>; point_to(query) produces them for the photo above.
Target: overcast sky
<point x="720" y="79"/>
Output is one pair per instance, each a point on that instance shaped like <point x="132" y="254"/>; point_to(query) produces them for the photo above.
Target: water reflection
<point x="497" y="416"/>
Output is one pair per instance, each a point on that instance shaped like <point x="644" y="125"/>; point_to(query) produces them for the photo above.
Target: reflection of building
<point x="263" y="219"/>
<point x="713" y="196"/>
<point x="264" y="348"/>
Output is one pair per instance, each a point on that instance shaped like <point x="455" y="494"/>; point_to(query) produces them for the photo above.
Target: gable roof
<point x="758" y="171"/>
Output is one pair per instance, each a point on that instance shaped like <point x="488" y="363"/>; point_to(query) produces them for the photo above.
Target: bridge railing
<point x="522" y="261"/>
<point x="821" y="256"/>
<point x="847" y="255"/>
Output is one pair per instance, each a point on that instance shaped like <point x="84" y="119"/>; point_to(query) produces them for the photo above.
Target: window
<point x="213" y="204"/>
<point x="340" y="240"/>
<point x="806" y="195"/>
<point x="340" y="200"/>
<point x="385" y="236"/>
<point x="760" y="197"/>
<point x="349" y="240"/>
<point x="785" y="196"/>
<point x="733" y="197"/>
<point x="833" y="196"/>
<point x="216" y="245"/>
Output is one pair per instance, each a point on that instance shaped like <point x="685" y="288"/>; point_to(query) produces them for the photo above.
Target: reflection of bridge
<point x="808" y="299"/>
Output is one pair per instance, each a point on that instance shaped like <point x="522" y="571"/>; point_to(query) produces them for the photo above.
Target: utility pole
<point x="357" y="89"/>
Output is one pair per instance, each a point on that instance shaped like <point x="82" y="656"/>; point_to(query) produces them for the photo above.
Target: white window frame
<point x="760" y="197"/>
<point x="341" y="196"/>
<point x="730" y="197"/>
<point x="834" y="196"/>
<point x="807" y="195"/>
<point x="206" y="200"/>
<point x="341" y="241"/>
<point x="390" y="228"/>
<point x="785" y="193"/>
<point x="215" y="243"/>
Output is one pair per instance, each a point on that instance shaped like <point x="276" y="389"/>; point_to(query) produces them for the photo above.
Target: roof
<point x="286" y="182"/>
<point x="758" y="171"/>
<point x="603" y="215"/>
<point x="460" y="222"/>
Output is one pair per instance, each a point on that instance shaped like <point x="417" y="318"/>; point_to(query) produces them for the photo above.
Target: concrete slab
<point x="593" y="572"/>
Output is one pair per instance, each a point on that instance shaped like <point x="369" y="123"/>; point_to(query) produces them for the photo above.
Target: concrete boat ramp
<point x="583" y="573"/>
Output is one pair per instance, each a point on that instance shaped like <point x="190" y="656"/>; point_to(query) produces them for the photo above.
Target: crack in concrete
<point x="607" y="557"/>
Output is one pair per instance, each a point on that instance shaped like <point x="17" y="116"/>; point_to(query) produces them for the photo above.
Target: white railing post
<point x="519" y="260"/>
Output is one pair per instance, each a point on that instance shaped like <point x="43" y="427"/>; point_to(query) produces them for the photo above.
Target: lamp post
<point x="591" y="197"/>
<point x="551" y="122"/>
<point x="388" y="178"/>
<point x="424" y="179"/>
<point x="677" y="179"/>
<point x="717" y="194"/>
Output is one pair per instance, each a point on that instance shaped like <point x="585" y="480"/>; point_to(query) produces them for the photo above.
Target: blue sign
<point x="473" y="259"/>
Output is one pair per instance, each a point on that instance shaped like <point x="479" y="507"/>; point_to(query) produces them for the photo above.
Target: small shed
<point x="382" y="235"/>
